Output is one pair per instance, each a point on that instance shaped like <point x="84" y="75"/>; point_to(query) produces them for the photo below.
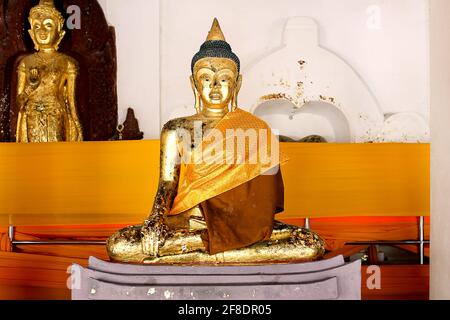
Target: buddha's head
<point x="215" y="72"/>
<point x="46" y="26"/>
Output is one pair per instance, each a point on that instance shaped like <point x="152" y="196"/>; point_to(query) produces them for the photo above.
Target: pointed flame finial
<point x="47" y="3"/>
<point x="216" y="32"/>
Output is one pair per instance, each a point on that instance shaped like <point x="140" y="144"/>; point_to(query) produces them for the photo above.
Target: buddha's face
<point x="45" y="31"/>
<point x="215" y="80"/>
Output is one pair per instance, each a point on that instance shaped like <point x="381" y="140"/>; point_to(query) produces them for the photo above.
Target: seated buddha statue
<point x="220" y="182"/>
<point x="46" y="83"/>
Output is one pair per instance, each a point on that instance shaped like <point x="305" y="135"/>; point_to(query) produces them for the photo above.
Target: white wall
<point x="137" y="32"/>
<point x="440" y="175"/>
<point x="385" y="41"/>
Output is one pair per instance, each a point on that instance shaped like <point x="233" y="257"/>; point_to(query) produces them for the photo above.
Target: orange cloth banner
<point x="115" y="182"/>
<point x="348" y="180"/>
<point x="402" y="282"/>
<point x="28" y="276"/>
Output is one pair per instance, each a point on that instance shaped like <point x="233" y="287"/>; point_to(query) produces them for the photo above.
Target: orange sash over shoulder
<point x="240" y="148"/>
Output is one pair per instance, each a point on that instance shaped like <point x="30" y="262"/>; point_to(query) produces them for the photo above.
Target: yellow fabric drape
<point x="356" y="180"/>
<point x="115" y="182"/>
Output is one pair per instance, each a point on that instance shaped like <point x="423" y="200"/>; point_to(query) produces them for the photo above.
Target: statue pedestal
<point x="323" y="280"/>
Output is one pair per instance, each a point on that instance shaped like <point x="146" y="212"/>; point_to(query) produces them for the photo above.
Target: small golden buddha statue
<point x="220" y="211"/>
<point x="46" y="83"/>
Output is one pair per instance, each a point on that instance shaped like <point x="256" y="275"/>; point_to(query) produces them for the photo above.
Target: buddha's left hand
<point x="154" y="233"/>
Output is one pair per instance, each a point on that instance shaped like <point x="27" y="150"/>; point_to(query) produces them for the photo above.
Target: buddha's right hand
<point x="154" y="234"/>
<point x="34" y="76"/>
<point x="34" y="82"/>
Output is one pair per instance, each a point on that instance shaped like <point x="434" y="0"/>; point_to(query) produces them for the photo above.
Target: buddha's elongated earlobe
<point x="36" y="46"/>
<point x="234" y="100"/>
<point x="196" y="95"/>
<point x="62" y="33"/>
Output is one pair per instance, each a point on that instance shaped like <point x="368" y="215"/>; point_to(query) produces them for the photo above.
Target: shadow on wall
<point x="313" y="118"/>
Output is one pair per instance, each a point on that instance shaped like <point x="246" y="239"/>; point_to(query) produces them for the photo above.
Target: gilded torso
<point x="180" y="137"/>
<point x="196" y="126"/>
<point x="49" y="85"/>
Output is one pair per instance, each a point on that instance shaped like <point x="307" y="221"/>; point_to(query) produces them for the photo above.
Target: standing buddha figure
<point x="46" y="83"/>
<point x="220" y="184"/>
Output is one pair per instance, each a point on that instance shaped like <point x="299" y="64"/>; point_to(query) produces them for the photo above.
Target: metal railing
<point x="11" y="232"/>
<point x="421" y="242"/>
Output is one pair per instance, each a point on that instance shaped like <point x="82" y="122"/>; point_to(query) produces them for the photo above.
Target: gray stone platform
<point x="325" y="280"/>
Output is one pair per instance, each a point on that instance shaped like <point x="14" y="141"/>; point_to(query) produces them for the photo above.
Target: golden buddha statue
<point x="217" y="194"/>
<point x="46" y="83"/>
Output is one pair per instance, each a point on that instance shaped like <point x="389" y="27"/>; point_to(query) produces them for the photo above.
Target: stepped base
<point x="323" y="280"/>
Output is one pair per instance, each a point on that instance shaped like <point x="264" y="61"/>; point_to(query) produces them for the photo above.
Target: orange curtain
<point x="40" y="272"/>
<point x="115" y="182"/>
<point x="356" y="180"/>
<point x="27" y="276"/>
<point x="398" y="283"/>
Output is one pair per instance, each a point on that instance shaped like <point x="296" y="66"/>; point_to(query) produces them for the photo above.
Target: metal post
<point x="11" y="236"/>
<point x="307" y="224"/>
<point x="422" y="240"/>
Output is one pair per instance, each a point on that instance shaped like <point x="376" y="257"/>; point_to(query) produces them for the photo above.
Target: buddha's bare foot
<point x="287" y="244"/>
